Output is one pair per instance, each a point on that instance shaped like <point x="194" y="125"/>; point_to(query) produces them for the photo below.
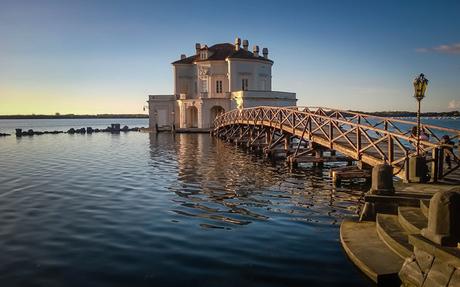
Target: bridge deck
<point x="372" y="140"/>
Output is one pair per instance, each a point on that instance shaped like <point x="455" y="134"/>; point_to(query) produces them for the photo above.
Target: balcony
<point x="206" y="95"/>
<point x="161" y="97"/>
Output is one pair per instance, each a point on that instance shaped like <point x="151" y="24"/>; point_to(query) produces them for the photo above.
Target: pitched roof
<point x="222" y="52"/>
<point x="243" y="54"/>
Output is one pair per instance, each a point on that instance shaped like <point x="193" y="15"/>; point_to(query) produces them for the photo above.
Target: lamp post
<point x="420" y="85"/>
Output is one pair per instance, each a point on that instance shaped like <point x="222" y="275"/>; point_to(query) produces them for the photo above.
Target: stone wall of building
<point x="162" y="111"/>
<point x="249" y="99"/>
<point x="258" y="73"/>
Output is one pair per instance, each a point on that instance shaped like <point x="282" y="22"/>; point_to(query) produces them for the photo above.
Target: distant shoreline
<point x="52" y="117"/>
<point x="406" y="114"/>
<point x="396" y="114"/>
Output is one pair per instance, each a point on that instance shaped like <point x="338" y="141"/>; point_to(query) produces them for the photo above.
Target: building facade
<point x="214" y="80"/>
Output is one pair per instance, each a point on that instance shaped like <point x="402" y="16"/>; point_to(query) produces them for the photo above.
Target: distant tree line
<point x="72" y="116"/>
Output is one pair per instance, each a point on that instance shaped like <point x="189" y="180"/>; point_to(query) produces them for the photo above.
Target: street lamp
<point x="420" y="85"/>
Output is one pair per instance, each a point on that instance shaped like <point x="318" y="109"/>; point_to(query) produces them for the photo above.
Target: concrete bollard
<point x="382" y="180"/>
<point x="444" y="219"/>
<point x="382" y="184"/>
<point x="418" y="169"/>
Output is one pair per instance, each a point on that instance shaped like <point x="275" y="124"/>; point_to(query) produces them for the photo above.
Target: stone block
<point x="410" y="273"/>
<point x="439" y="275"/>
<point x="418" y="169"/>
<point x="455" y="279"/>
<point x="444" y="219"/>
<point x="424" y="259"/>
<point x="382" y="180"/>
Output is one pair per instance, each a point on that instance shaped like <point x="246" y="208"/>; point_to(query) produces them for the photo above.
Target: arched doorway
<point x="215" y="111"/>
<point x="192" y="117"/>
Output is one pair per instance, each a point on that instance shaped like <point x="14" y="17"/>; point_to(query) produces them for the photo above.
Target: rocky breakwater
<point x="114" y="128"/>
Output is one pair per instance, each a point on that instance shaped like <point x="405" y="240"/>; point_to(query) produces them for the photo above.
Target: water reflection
<point x="137" y="209"/>
<point x="225" y="187"/>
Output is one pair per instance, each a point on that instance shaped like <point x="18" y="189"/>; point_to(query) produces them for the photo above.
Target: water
<point x="139" y="209"/>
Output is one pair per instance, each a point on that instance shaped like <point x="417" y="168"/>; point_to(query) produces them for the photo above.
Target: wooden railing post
<point x="280" y="120"/>
<point x="435" y="165"/>
<point x="293" y="123"/>
<point x="391" y="146"/>
<point x="331" y="134"/>
<point x="440" y="163"/>
<point x="358" y="140"/>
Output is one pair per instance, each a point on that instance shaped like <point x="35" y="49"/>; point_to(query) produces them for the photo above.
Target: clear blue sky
<point x="107" y="56"/>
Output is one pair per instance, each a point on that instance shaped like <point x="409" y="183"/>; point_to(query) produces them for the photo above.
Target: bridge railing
<point x="371" y="138"/>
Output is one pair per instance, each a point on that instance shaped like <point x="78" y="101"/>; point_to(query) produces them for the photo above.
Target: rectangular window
<point x="204" y="86"/>
<point x="244" y="84"/>
<point x="219" y="87"/>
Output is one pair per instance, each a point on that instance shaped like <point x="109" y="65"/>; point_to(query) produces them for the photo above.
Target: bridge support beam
<point x="287" y="143"/>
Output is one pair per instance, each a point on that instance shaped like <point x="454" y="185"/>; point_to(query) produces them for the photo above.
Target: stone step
<point x="393" y="234"/>
<point x="412" y="219"/>
<point x="424" y="206"/>
<point x="363" y="246"/>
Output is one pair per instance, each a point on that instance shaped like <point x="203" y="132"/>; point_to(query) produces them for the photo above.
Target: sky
<point x="93" y="57"/>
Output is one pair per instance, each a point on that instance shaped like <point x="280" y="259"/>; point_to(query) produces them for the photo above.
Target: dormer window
<point x="204" y="55"/>
<point x="244" y="84"/>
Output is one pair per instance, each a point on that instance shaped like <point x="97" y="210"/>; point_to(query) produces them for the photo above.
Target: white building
<point x="214" y="80"/>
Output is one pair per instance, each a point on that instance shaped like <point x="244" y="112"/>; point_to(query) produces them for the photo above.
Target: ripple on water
<point x="141" y="209"/>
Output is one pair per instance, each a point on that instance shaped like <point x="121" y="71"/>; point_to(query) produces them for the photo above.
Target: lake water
<point x="140" y="209"/>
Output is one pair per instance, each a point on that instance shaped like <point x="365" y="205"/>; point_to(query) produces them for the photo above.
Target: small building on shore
<point x="214" y="80"/>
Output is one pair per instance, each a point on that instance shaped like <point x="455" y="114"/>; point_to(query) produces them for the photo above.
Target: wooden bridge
<point x="304" y="134"/>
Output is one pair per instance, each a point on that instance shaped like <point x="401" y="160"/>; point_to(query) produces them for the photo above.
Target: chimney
<point x="182" y="56"/>
<point x="237" y="44"/>
<point x="245" y="45"/>
<point x="265" y="53"/>
<point x="197" y="48"/>
<point x="255" y="50"/>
